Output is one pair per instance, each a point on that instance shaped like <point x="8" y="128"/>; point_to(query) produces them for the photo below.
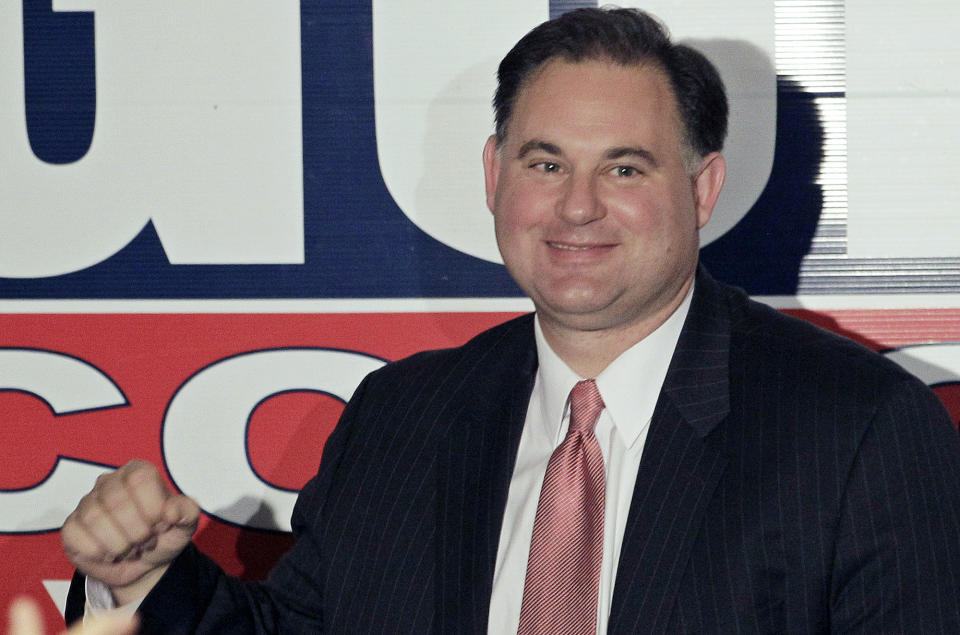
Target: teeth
<point x="568" y="247"/>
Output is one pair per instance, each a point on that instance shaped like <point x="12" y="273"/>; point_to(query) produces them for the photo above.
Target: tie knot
<point x="585" y="406"/>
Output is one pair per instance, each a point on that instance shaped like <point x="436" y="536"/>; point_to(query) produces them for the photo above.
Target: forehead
<point x="596" y="98"/>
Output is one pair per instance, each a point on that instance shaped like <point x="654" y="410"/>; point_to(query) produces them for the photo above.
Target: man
<point x="747" y="472"/>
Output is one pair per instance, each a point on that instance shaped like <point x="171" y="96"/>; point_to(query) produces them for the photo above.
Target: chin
<point x="582" y="314"/>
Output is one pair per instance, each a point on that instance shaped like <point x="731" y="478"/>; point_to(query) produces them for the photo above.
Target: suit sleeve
<point x="897" y="558"/>
<point x="196" y="596"/>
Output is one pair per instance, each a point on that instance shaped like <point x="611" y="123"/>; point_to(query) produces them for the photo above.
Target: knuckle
<point x="83" y="510"/>
<point x="68" y="536"/>
<point x="113" y="499"/>
<point x="138" y="468"/>
<point x="89" y="516"/>
<point x="144" y="481"/>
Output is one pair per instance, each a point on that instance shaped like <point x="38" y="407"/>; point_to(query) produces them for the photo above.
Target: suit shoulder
<point x="513" y="337"/>
<point x="813" y="379"/>
<point x="759" y="330"/>
<point x="808" y="368"/>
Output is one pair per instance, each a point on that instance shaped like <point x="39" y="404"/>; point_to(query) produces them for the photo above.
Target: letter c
<point x="204" y="430"/>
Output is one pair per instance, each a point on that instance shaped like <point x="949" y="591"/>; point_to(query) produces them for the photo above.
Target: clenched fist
<point x="128" y="529"/>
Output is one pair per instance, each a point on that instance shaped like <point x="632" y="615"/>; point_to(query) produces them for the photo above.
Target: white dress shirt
<point x="630" y="387"/>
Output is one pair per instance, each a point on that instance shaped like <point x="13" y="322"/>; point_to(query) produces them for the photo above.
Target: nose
<point x="580" y="203"/>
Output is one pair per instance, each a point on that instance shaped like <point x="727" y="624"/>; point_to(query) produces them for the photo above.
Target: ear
<point x="491" y="170"/>
<point x="707" y="184"/>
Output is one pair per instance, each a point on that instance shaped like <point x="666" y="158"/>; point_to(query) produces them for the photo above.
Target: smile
<point x="570" y="247"/>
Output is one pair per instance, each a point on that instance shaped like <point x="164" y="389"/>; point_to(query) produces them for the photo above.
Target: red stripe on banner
<point x="150" y="357"/>
<point x="882" y="329"/>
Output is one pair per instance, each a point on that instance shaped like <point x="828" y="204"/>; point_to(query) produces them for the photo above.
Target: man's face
<point x="596" y="212"/>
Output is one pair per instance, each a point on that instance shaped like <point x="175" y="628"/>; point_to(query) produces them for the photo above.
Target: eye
<point x="626" y="171"/>
<point x="548" y="167"/>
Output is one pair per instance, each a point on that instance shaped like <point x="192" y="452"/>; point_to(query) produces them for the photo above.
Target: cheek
<point x="508" y="231"/>
<point x="517" y="211"/>
<point x="640" y="217"/>
<point x="657" y="217"/>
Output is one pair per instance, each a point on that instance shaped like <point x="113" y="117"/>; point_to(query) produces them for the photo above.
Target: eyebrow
<point x="626" y="151"/>
<point x="538" y="144"/>
<point x="612" y="154"/>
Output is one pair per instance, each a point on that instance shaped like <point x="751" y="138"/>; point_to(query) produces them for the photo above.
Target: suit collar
<point x="681" y="466"/>
<point x="698" y="379"/>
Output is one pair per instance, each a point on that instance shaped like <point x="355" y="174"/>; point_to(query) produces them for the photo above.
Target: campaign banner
<point x="217" y="217"/>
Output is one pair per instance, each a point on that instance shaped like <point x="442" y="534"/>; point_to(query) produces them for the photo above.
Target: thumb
<point x="25" y="618"/>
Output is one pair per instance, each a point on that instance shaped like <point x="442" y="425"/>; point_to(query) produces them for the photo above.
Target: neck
<point x="589" y="351"/>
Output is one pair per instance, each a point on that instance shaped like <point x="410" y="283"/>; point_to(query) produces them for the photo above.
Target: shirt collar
<point x="630" y="385"/>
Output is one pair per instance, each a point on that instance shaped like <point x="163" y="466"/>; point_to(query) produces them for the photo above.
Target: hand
<point x="128" y="529"/>
<point x="25" y="620"/>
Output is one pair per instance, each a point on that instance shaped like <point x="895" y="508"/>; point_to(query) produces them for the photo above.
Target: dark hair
<point x="622" y="36"/>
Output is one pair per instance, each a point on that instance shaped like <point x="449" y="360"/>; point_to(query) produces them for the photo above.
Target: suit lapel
<point x="475" y="468"/>
<point x="681" y="466"/>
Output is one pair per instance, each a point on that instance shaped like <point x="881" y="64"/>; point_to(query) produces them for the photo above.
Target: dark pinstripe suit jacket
<point x="791" y="482"/>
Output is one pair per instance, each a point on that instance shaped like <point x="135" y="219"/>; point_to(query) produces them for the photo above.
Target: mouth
<point x="570" y="247"/>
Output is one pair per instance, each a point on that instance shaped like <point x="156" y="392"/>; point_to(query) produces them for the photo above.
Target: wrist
<point x="138" y="589"/>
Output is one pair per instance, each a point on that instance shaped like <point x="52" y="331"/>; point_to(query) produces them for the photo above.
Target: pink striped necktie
<point x="563" y="571"/>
